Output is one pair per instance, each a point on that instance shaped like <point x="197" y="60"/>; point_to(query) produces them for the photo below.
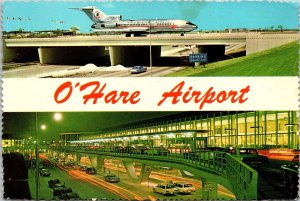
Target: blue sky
<point x="206" y="15"/>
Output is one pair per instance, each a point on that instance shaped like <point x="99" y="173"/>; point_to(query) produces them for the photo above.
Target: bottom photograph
<point x="215" y="155"/>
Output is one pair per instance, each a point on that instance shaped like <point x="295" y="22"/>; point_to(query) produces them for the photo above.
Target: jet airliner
<point x="114" y="23"/>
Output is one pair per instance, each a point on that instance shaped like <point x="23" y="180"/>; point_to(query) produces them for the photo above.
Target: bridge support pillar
<point x="133" y="55"/>
<point x="145" y="173"/>
<point x="209" y="189"/>
<point x="214" y="52"/>
<point x="19" y="54"/>
<point x="76" y="158"/>
<point x="70" y="55"/>
<point x="130" y="170"/>
<point x="97" y="162"/>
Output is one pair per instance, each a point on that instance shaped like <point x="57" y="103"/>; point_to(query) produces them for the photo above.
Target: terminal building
<point x="258" y="129"/>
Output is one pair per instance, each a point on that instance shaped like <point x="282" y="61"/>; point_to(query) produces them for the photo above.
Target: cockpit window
<point x="189" y="23"/>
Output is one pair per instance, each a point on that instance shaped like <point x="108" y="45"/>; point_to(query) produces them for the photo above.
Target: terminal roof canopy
<point x="21" y="125"/>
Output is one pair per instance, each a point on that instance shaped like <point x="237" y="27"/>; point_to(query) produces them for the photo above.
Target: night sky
<point x="22" y="124"/>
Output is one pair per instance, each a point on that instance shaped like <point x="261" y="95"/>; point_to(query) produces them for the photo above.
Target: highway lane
<point x="71" y="181"/>
<point x="169" y="175"/>
<point x="39" y="70"/>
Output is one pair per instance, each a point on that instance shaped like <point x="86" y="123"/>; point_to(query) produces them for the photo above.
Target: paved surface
<point x="38" y="70"/>
<point x="93" y="186"/>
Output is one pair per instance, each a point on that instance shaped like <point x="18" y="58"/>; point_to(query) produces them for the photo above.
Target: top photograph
<point x="149" y="39"/>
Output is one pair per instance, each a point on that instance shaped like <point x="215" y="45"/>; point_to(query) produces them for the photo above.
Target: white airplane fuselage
<point x="114" y="23"/>
<point x="146" y="26"/>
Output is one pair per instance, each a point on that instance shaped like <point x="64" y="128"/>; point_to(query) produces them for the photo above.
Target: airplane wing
<point x="136" y="29"/>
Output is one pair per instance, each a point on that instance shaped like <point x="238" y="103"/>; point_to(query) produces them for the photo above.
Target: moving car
<point x="138" y="69"/>
<point x="184" y="188"/>
<point x="165" y="189"/>
<point x="111" y="178"/>
<point x="44" y="172"/>
<point x="290" y="174"/>
<point x="249" y="156"/>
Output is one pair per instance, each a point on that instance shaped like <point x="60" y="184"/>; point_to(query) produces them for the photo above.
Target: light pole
<point x="294" y="138"/>
<point x="150" y="46"/>
<point x="43" y="127"/>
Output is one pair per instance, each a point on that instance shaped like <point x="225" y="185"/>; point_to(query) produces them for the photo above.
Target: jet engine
<point x="110" y="25"/>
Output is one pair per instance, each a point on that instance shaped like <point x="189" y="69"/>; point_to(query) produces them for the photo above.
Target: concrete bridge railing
<point x="241" y="178"/>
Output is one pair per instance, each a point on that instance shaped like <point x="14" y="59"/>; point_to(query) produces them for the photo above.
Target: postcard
<point x="150" y="100"/>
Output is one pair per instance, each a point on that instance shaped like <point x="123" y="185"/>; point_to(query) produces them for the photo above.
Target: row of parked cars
<point x="61" y="192"/>
<point x="137" y="149"/>
<point x="173" y="188"/>
<point x="248" y="156"/>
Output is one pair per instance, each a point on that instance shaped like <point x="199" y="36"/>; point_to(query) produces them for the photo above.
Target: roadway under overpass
<point x="129" y="51"/>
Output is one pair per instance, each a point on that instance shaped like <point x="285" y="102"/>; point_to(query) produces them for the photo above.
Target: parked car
<point x="82" y="167"/>
<point x="157" y="151"/>
<point x="53" y="183"/>
<point x="184" y="188"/>
<point x="61" y="190"/>
<point x="249" y="156"/>
<point x="290" y="174"/>
<point x="69" y="196"/>
<point x="91" y="170"/>
<point x="70" y="163"/>
<point x="44" y="172"/>
<point x="138" y="69"/>
<point x="165" y="189"/>
<point x="111" y="178"/>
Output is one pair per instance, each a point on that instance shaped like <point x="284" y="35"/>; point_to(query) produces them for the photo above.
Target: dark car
<point x="53" y="183"/>
<point x="82" y="167"/>
<point x="70" y="164"/>
<point x="290" y="174"/>
<point x="248" y="156"/>
<point x="91" y="170"/>
<point x="111" y="178"/>
<point x="157" y="151"/>
<point x="60" y="191"/>
<point x="44" y="172"/>
<point x="69" y="196"/>
<point x="138" y="69"/>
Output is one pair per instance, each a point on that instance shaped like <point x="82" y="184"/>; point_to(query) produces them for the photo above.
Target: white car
<point x="165" y="189"/>
<point x="138" y="69"/>
<point x="184" y="188"/>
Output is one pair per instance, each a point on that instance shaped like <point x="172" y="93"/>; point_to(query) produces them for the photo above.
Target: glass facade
<point x="248" y="129"/>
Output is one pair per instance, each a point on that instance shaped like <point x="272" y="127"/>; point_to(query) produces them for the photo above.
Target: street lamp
<point x="150" y="48"/>
<point x="42" y="127"/>
<point x="292" y="125"/>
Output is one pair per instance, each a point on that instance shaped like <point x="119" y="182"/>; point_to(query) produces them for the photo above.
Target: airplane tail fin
<point x="93" y="13"/>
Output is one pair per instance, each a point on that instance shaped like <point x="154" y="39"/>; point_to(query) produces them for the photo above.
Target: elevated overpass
<point x="211" y="167"/>
<point x="135" y="50"/>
